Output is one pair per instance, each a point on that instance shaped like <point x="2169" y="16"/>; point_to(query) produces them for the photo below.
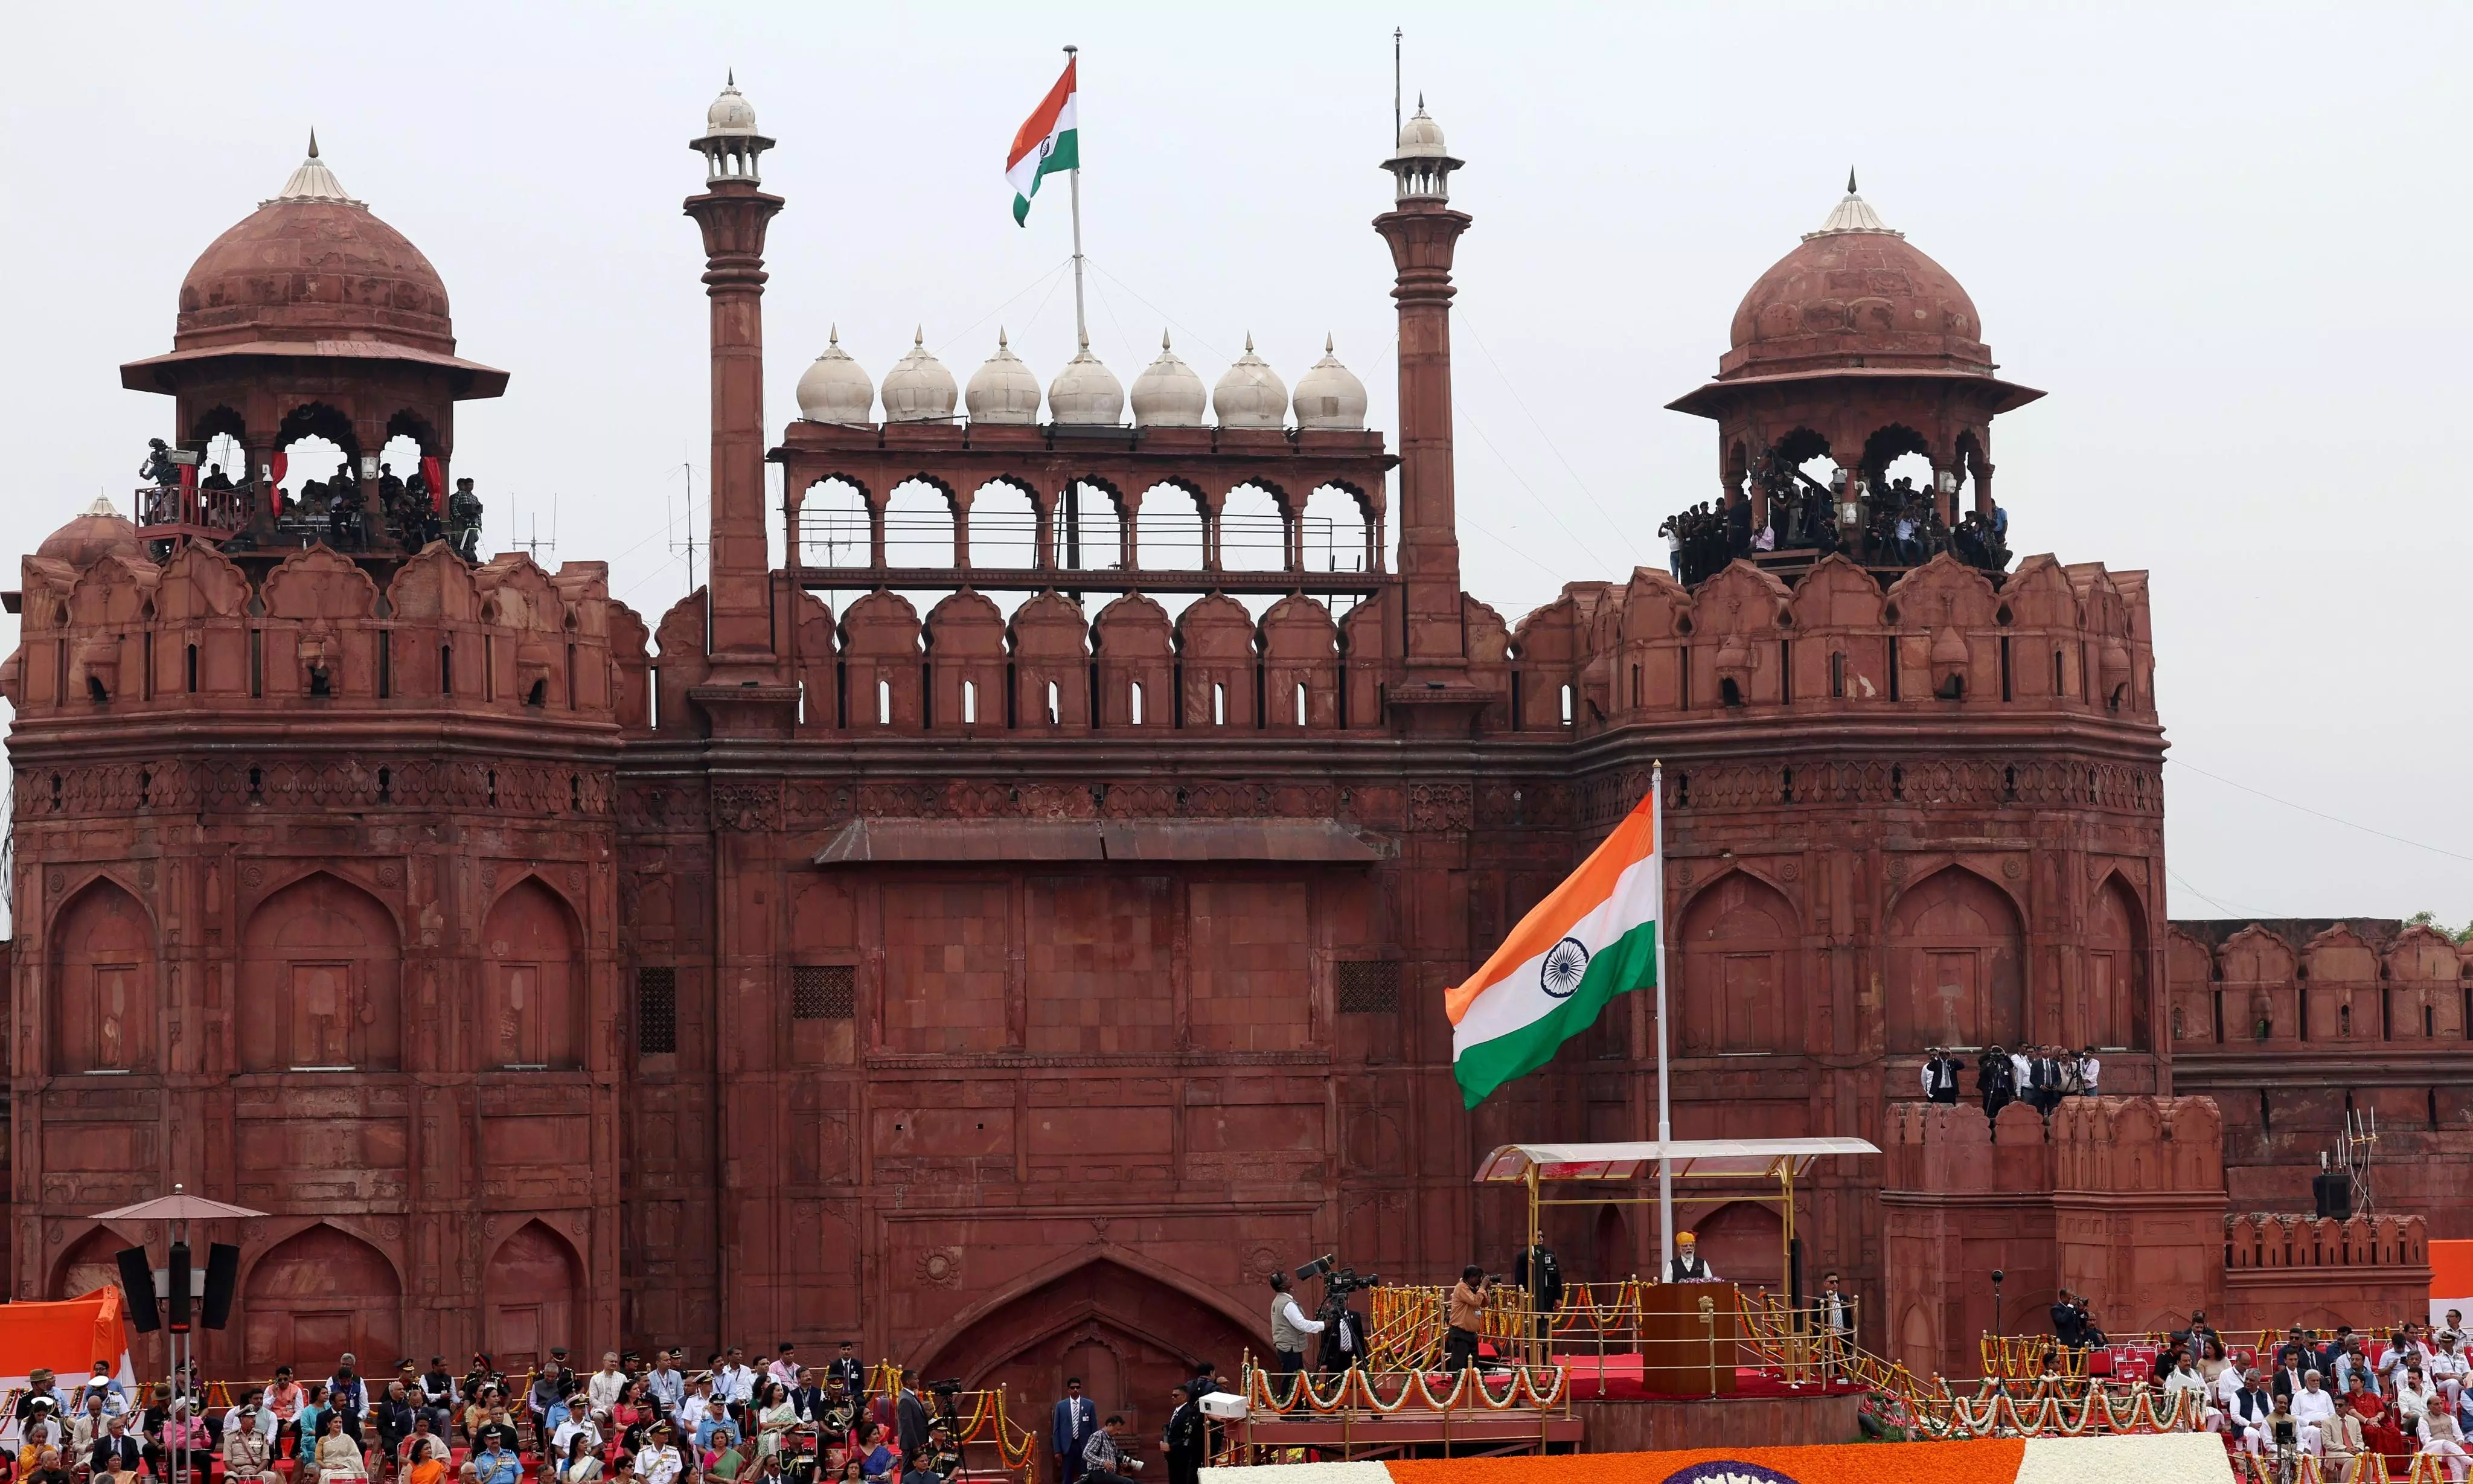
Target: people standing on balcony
<point x="1996" y="1080"/>
<point x="463" y="521"/>
<point x="1940" y="1077"/>
<point x="1464" y="1318"/>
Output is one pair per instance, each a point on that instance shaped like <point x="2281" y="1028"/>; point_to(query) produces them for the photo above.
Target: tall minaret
<point x="1423" y="230"/>
<point x="734" y="212"/>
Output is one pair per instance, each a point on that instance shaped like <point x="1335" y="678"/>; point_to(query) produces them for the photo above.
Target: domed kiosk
<point x="1858" y="347"/>
<point x="311" y="317"/>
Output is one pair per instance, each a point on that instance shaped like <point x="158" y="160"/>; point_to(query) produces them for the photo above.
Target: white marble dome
<point x="1168" y="393"/>
<point x="1002" y="390"/>
<point x="1421" y="137"/>
<point x="834" y="388"/>
<point x="919" y="388"/>
<point x="1250" y="394"/>
<point x="1328" y="396"/>
<point x="730" y="113"/>
<point x="1086" y="393"/>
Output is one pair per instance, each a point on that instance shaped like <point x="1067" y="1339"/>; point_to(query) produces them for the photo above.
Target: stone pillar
<point x="1423" y="233"/>
<point x="734" y="214"/>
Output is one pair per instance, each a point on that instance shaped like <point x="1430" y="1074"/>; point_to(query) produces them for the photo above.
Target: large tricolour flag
<point x="1043" y="145"/>
<point x="1593" y="938"/>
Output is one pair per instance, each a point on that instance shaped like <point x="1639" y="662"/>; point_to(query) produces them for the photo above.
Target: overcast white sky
<point x="2227" y="240"/>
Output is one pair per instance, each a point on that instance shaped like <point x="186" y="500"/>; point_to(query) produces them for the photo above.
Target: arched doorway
<point x="319" y="1294"/>
<point x="2115" y="1013"/>
<point x="1741" y="978"/>
<point x="319" y="964"/>
<point x="535" y="985"/>
<point x="103" y="1008"/>
<point x="1127" y="1334"/>
<point x="1957" y="965"/>
<point x="88" y="1265"/>
<point x="1611" y="1251"/>
<point x="530" y="1290"/>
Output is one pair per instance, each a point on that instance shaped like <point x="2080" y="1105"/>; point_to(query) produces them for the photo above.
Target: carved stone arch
<point x="316" y="582"/>
<point x="217" y="419"/>
<point x="1089" y="1254"/>
<point x="1956" y="962"/>
<point x="529" y="1290"/>
<point x="104" y="996"/>
<point x="322" y="963"/>
<point x="422" y="429"/>
<point x="2116" y="994"/>
<point x="536" y="990"/>
<point x="1155" y="1320"/>
<point x="87" y="1261"/>
<point x="1738" y="980"/>
<point x="319" y="1289"/>
<point x="315" y="419"/>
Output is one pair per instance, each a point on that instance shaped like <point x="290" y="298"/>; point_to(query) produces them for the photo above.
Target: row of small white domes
<point x="1085" y="394"/>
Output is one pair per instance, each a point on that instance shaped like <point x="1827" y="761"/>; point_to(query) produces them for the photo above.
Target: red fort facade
<point x="1011" y="986"/>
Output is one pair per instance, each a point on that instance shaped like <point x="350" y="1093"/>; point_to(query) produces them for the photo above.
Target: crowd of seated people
<point x="1905" y="528"/>
<point x="629" y="1422"/>
<point x="2332" y="1396"/>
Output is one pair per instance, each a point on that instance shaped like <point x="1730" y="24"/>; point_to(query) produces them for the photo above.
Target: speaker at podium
<point x="1690" y="1334"/>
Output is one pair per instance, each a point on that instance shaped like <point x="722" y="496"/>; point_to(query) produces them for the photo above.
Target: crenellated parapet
<point x="1942" y="640"/>
<point x="2350" y="984"/>
<point x="125" y="638"/>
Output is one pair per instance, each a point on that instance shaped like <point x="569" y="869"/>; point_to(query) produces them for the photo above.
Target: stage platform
<point x="1459" y="1434"/>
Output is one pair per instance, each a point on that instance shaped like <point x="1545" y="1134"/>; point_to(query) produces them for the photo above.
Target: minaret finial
<point x="1163" y="339"/>
<point x="1249" y="342"/>
<point x="1001" y="336"/>
<point x="313" y="144"/>
<point x="1850" y="180"/>
<point x="918" y="337"/>
<point x="730" y="77"/>
<point x="1327" y="346"/>
<point x="835" y="337"/>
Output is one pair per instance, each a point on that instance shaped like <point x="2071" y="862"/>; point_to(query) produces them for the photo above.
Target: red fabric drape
<point x="435" y="477"/>
<point x="277" y="467"/>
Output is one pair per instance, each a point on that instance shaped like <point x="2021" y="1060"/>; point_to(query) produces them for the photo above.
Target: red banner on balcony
<point x="434" y="476"/>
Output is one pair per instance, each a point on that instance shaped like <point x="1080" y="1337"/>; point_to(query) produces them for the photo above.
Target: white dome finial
<point x="312" y="181"/>
<point x="1168" y="393"/>
<point x="1329" y="397"/>
<point x="1003" y="391"/>
<point x="919" y="388"/>
<point x="1853" y="214"/>
<point x="1086" y="393"/>
<point x="1250" y="395"/>
<point x="1422" y="165"/>
<point x="730" y="144"/>
<point x="835" y="389"/>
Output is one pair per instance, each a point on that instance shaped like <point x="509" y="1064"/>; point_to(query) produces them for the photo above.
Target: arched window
<point x="1135" y="703"/>
<point x="969" y="702"/>
<point x="1053" y="713"/>
<point x="536" y="982"/>
<point x="103" y="972"/>
<point x="1219" y="703"/>
<point x="884" y="703"/>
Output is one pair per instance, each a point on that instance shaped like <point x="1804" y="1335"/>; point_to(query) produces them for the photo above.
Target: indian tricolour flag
<point x="1593" y="938"/>
<point x="1043" y="145"/>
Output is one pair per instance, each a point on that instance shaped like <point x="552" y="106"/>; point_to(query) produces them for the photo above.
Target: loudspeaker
<point x="2334" y="1193"/>
<point x="223" y="1272"/>
<point x="182" y="1300"/>
<point x="137" y="1288"/>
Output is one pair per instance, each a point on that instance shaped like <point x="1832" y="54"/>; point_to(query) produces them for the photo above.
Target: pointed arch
<point x="530" y="1290"/>
<point x="1957" y="978"/>
<point x="534" y="961"/>
<point x="322" y="963"/>
<point x="316" y="1294"/>
<point x="2114" y="997"/>
<point x="89" y="1262"/>
<point x="104" y="995"/>
<point x="1150" y="1324"/>
<point x="1741" y="978"/>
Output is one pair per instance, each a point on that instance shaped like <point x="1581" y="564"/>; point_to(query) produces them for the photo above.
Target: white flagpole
<point x="1081" y="328"/>
<point x="1664" y="1109"/>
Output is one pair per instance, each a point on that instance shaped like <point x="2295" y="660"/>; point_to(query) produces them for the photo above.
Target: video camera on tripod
<point x="1337" y="1283"/>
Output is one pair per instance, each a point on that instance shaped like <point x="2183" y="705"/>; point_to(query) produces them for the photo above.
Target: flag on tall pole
<point x="1042" y="145"/>
<point x="1593" y="938"/>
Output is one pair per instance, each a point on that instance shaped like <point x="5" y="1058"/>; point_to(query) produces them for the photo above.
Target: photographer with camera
<point x="1466" y="1318"/>
<point x="1290" y="1328"/>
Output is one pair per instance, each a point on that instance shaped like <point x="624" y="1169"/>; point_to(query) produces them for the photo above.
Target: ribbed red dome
<point x="90" y="538"/>
<point x="313" y="269"/>
<point x="1855" y="299"/>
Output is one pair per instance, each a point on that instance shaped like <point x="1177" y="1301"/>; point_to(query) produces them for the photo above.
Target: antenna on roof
<point x="691" y="545"/>
<point x="1395" y="87"/>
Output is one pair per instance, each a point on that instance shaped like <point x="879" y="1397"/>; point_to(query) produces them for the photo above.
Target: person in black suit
<point x="846" y="1369"/>
<point x="1184" y="1438"/>
<point x="909" y="1414"/>
<point x="2068" y="1323"/>
<point x="116" y="1442"/>
<point x="1995" y="1081"/>
<point x="1074" y="1420"/>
